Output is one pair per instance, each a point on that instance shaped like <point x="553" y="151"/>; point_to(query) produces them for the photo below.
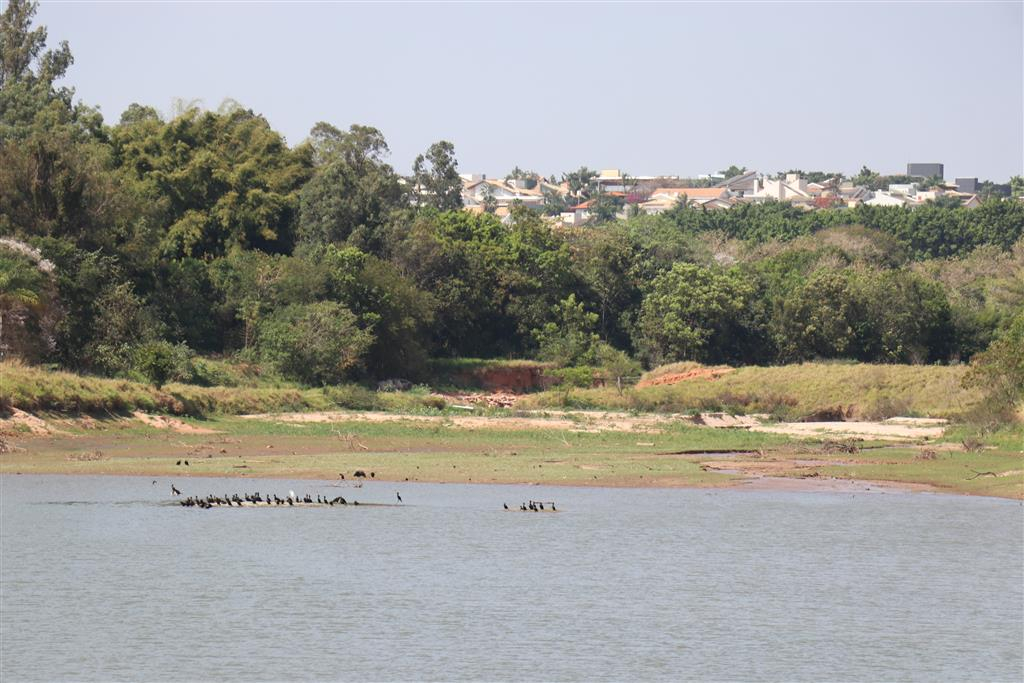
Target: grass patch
<point x="862" y="391"/>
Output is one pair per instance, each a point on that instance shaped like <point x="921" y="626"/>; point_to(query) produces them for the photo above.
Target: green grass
<point x="863" y="391"/>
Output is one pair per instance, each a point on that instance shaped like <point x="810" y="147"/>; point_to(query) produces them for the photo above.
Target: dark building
<point x="925" y="170"/>
<point x="969" y="185"/>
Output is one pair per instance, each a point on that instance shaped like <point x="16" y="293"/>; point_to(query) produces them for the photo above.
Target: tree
<point x="867" y="178"/>
<point x="316" y="343"/>
<point x="818" y="319"/>
<point x="216" y="182"/>
<point x="490" y="204"/>
<point x="569" y="340"/>
<point x="733" y="171"/>
<point x="436" y="175"/>
<point x="353" y="191"/>
<point x="20" y="47"/>
<point x="1017" y="186"/>
<point x="24" y="295"/>
<point x="999" y="372"/>
<point x="579" y="182"/>
<point x="688" y="311"/>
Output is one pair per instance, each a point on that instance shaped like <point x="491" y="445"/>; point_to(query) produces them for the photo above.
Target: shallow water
<point x="102" y="579"/>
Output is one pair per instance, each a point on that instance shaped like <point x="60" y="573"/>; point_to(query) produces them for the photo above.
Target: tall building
<point x="925" y="170"/>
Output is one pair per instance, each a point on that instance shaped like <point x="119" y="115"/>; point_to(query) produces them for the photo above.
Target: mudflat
<point x="558" y="447"/>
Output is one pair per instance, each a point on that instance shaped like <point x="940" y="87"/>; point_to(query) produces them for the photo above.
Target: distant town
<point x="584" y="196"/>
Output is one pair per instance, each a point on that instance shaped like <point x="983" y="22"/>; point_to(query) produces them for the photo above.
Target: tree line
<point x="139" y="244"/>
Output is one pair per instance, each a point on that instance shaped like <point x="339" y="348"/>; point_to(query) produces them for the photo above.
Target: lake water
<point x="102" y="579"/>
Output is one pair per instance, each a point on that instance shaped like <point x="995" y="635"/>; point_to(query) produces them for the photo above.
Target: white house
<point x="882" y="198"/>
<point x="791" y="188"/>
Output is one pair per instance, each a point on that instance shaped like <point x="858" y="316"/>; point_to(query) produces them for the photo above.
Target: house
<point x="579" y="214"/>
<point x="792" y="187"/>
<point x="742" y="185"/>
<point x="664" y="198"/>
<point x="970" y="202"/>
<point x="475" y="193"/>
<point x="881" y="198"/>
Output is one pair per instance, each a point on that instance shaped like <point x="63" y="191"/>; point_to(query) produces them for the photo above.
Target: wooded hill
<point x="137" y="244"/>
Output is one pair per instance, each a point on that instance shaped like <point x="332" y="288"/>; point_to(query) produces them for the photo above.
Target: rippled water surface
<point x="102" y="579"/>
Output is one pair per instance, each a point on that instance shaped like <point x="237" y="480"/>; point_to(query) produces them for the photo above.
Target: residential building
<point x="791" y="188"/>
<point x="742" y="185"/>
<point x="882" y="198"/>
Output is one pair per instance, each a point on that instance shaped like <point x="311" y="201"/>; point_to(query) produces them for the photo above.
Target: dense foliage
<point x="135" y="245"/>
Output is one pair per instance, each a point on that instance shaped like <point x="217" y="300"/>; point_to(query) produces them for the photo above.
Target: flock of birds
<point x="257" y="499"/>
<point x="534" y="506"/>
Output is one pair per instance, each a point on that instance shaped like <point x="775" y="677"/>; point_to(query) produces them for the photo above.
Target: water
<point x="101" y="579"/>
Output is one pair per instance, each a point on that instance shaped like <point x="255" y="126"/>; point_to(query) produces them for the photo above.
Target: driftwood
<point x="981" y="474"/>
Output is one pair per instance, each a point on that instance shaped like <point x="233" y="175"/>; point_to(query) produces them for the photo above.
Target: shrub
<point x="317" y="343"/>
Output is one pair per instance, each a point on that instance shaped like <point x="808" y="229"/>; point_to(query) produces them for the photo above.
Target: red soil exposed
<point x="676" y="377"/>
<point x="512" y="379"/>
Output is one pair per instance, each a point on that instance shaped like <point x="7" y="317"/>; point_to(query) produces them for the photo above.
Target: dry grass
<point x="859" y="391"/>
<point x="35" y="389"/>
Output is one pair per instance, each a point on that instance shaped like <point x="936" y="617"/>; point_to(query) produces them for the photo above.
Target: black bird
<point x="506" y="505"/>
<point x="174" y="491"/>
<point x="186" y="463"/>
<point x="541" y="505"/>
<point x="372" y="475"/>
<point x="553" y="508"/>
<point x="399" y="496"/>
<point x="341" y="474"/>
<point x="178" y="463"/>
<point x="154" y="482"/>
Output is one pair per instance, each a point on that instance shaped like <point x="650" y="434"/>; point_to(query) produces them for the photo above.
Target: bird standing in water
<point x="399" y="495"/>
<point x="174" y="491"/>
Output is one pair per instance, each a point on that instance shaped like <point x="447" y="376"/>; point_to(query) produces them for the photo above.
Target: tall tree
<point x="436" y="175"/>
<point x="353" y="190"/>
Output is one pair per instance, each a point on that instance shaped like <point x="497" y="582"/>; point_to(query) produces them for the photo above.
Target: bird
<point x="178" y="463"/>
<point x="154" y="482"/>
<point x="341" y="474"/>
<point x="399" y="496"/>
<point x="553" y="508"/>
<point x="372" y="475"/>
<point x="505" y="505"/>
<point x="174" y="491"/>
<point x="186" y="463"/>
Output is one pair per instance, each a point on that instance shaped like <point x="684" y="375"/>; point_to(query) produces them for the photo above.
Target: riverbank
<point x="807" y="391"/>
<point x="568" y="448"/>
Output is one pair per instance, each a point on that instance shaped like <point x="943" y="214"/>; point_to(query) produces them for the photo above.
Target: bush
<point x="160" y="362"/>
<point x="999" y="371"/>
<point x="316" y="343"/>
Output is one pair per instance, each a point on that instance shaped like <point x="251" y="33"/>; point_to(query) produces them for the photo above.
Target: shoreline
<point x="563" y="449"/>
<point x="768" y="483"/>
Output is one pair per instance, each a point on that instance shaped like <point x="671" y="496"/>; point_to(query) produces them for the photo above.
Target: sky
<point x="648" y="88"/>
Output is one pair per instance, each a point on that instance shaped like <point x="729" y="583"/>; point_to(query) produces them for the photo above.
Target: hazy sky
<point x="680" y="88"/>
